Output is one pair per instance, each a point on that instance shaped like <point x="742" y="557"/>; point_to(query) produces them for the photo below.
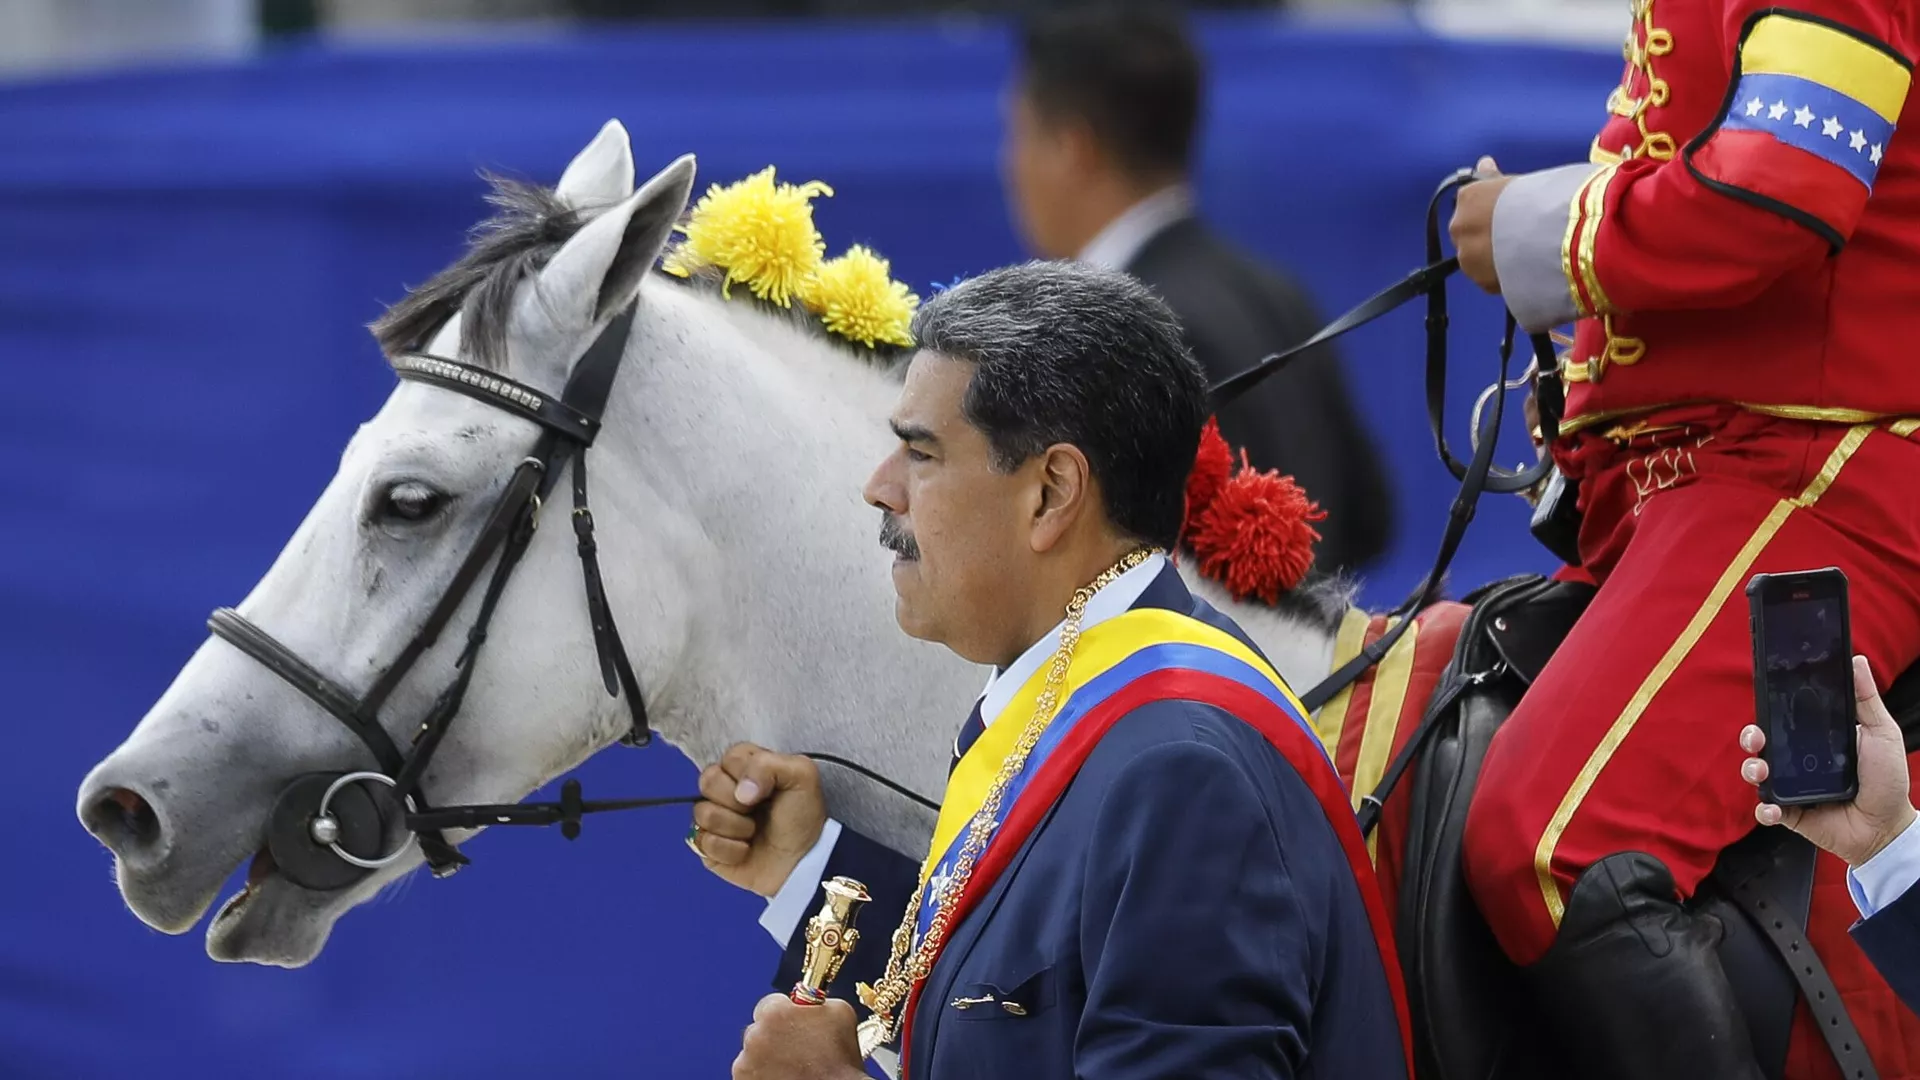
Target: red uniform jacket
<point x="1748" y="229"/>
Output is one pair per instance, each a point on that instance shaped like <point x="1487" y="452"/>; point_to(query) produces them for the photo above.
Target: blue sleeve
<point x="890" y="878"/>
<point x="1199" y="956"/>
<point x="1891" y="939"/>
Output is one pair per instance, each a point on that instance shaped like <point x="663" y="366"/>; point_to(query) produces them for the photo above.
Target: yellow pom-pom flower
<point x="759" y="232"/>
<point x="856" y="297"/>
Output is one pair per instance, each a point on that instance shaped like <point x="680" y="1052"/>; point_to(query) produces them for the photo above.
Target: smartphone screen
<point x="1807" y="683"/>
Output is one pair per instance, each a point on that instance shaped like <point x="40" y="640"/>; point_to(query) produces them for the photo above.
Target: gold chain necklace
<point x="905" y="971"/>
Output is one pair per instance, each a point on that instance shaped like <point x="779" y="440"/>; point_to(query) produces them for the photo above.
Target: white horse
<point x="741" y="563"/>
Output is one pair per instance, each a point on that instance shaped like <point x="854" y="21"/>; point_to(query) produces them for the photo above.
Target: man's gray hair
<point x="1070" y="353"/>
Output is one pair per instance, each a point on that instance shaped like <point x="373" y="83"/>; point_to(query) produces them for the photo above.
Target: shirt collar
<point x="1115" y="599"/>
<point x="1116" y="245"/>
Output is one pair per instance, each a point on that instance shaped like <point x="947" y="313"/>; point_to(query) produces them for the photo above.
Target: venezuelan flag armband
<point x="1807" y="121"/>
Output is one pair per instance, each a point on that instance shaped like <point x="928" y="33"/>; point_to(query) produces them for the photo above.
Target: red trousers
<point x="1627" y="742"/>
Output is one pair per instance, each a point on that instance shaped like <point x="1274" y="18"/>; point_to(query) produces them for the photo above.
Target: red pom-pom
<point x="1256" y="536"/>
<point x="1212" y="465"/>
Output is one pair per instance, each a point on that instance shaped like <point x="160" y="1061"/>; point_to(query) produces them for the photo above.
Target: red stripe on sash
<point x="1280" y="729"/>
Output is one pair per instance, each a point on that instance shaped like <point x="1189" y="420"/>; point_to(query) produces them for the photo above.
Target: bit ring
<point x="325" y="828"/>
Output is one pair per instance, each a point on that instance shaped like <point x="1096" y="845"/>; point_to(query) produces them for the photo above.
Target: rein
<point x="1477" y="475"/>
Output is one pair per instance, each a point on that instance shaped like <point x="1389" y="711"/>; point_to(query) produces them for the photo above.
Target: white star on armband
<point x="1778" y="110"/>
<point x="1754" y="107"/>
<point x="1858" y="141"/>
<point x="1803" y="117"/>
<point x="1874" y="154"/>
<point x="1830" y="127"/>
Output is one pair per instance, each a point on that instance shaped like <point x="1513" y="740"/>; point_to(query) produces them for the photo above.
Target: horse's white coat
<point x="743" y="567"/>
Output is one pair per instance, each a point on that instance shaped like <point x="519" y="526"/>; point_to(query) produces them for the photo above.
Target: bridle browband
<point x="327" y="830"/>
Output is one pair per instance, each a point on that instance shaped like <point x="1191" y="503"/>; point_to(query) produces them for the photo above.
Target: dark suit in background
<point x="1302" y="421"/>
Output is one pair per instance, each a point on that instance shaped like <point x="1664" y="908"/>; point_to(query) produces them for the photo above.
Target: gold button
<point x="1014" y="1007"/>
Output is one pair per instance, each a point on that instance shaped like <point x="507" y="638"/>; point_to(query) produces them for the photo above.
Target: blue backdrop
<point x="187" y="258"/>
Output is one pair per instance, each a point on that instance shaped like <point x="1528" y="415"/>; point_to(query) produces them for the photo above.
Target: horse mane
<point x="529" y="224"/>
<point x="1321" y="600"/>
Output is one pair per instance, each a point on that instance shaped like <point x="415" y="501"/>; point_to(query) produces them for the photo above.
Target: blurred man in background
<point x="1099" y="147"/>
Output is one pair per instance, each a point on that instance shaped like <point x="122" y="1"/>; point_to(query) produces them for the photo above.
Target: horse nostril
<point x="123" y="820"/>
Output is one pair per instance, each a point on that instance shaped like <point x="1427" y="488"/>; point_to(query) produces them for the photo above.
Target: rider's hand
<point x="759" y="814"/>
<point x="1857" y="830"/>
<point x="1472" y="225"/>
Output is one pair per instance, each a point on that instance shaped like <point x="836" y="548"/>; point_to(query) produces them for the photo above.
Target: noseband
<point x="327" y="830"/>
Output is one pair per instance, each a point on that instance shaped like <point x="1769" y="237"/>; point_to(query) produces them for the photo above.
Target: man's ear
<point x="1066" y="491"/>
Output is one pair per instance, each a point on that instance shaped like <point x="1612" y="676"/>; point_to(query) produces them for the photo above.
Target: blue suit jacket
<point x="1185" y="911"/>
<point x="1891" y="939"/>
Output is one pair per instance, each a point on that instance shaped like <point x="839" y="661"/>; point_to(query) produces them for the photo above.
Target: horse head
<point x="187" y="797"/>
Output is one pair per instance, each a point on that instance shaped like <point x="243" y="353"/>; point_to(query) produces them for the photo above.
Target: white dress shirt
<point x="1882" y="879"/>
<point x="789" y="905"/>
<point x="1115" y="246"/>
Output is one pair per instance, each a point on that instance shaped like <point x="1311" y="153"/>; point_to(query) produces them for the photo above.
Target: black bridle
<point x="328" y="830"/>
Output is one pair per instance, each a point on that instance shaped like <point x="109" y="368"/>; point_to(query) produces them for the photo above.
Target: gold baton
<point x="830" y="939"/>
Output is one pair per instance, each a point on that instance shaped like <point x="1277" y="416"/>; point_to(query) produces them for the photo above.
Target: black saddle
<point x="1471" y="1019"/>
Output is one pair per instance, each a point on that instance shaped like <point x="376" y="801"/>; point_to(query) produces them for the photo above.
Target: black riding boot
<point x="1633" y="988"/>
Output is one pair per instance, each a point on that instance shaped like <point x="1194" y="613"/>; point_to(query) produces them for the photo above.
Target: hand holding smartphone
<point x="1803" y="686"/>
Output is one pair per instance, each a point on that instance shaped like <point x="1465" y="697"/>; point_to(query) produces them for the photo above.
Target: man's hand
<point x="759" y="814"/>
<point x="799" y="1042"/>
<point x="1857" y="830"/>
<point x="1472" y="224"/>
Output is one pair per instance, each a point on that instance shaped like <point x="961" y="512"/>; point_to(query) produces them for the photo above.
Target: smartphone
<point x="1803" y="686"/>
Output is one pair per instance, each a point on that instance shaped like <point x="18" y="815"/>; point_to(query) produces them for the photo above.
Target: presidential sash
<point x="1142" y="656"/>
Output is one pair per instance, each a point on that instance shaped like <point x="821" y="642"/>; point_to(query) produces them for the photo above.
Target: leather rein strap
<point x="1476" y="476"/>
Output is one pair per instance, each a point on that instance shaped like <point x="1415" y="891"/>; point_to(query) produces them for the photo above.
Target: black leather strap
<point x="566" y="812"/>
<point x="515" y="504"/>
<point x="1425" y="281"/>
<point x="230" y="626"/>
<point x="1774" y="890"/>
<point x="616" y="668"/>
<point x="500" y="392"/>
<point x="1459" y="516"/>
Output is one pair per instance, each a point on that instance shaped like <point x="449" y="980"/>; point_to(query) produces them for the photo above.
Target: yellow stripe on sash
<point x="1792" y="45"/>
<point x="1102" y="647"/>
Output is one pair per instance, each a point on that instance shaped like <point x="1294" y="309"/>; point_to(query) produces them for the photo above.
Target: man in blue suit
<point x="1875" y="833"/>
<point x="1145" y="865"/>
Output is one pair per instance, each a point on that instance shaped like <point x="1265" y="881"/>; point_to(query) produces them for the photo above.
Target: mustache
<point x="895" y="538"/>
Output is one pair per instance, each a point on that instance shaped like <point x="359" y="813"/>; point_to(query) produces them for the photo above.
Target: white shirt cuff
<point x="789" y="905"/>
<point x="1882" y="879"/>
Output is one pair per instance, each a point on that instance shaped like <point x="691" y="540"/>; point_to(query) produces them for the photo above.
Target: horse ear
<point x="600" y="269"/>
<point x="602" y="174"/>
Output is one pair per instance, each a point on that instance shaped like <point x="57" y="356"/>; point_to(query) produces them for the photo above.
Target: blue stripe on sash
<point x="1162" y="657"/>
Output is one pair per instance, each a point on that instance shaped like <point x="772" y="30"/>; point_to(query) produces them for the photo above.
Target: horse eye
<point x="413" y="502"/>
